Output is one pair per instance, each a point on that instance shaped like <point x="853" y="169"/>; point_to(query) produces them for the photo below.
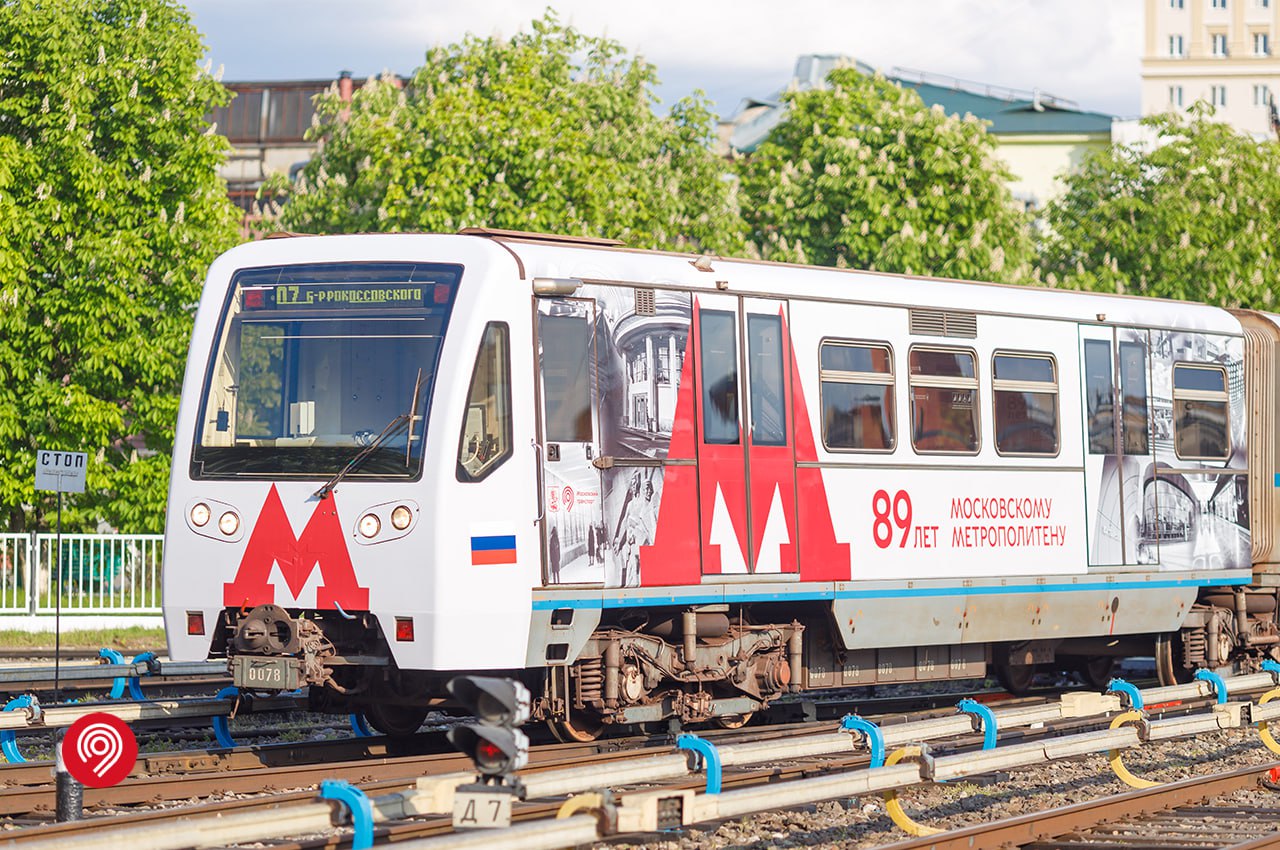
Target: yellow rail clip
<point x="1117" y="762"/>
<point x="894" y="806"/>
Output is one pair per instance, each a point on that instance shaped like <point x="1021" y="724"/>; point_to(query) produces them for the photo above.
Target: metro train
<point x="663" y="486"/>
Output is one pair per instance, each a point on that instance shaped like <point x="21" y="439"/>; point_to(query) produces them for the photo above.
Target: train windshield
<point x="315" y="363"/>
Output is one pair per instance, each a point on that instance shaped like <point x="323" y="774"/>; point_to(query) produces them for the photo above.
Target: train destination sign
<point x="61" y="472"/>
<point x="321" y="295"/>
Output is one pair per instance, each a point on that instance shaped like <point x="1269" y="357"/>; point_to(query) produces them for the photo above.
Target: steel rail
<point x="1048" y="825"/>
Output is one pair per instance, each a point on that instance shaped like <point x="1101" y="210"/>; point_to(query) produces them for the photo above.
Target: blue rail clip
<point x="1219" y="686"/>
<point x="875" y="738"/>
<point x="1120" y="686"/>
<point x="708" y="756"/>
<point x="360" y="725"/>
<point x="357" y="803"/>
<point x="114" y="657"/>
<point x="135" y="684"/>
<point x="8" y="738"/>
<point x="987" y="717"/>
<point x="221" y="727"/>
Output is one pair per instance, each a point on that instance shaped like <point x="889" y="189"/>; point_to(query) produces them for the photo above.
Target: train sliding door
<point x="572" y="509"/>
<point x="746" y="458"/>
<point x="1119" y="456"/>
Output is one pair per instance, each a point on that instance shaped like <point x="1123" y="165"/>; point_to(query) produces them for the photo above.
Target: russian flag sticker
<point x="493" y="549"/>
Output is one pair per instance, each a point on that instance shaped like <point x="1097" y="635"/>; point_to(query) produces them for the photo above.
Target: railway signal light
<point x="494" y="744"/>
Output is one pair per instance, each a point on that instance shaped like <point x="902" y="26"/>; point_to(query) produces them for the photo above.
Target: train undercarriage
<point x="714" y="664"/>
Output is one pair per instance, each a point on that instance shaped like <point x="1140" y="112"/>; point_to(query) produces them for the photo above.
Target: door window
<point x="566" y="378"/>
<point x="1098" y="383"/>
<point x="719" y="378"/>
<point x="1133" y="388"/>
<point x="764" y="350"/>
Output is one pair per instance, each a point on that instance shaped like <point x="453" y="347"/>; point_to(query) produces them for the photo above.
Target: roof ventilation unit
<point x="943" y="323"/>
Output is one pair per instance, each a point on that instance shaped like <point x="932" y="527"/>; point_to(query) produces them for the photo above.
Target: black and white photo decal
<point x="1165" y="461"/>
<point x="640" y="345"/>
<point x="632" y="495"/>
<point x="1199" y="490"/>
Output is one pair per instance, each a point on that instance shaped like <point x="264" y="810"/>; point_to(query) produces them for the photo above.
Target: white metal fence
<point x="101" y="573"/>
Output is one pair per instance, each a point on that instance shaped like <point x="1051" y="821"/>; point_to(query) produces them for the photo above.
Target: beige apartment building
<point x="1219" y="51"/>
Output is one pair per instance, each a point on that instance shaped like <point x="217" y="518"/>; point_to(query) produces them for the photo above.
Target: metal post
<point x="33" y="571"/>
<point x="69" y="791"/>
<point x="57" y="614"/>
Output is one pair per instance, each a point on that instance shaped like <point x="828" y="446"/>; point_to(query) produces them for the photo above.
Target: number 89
<point x="884" y="509"/>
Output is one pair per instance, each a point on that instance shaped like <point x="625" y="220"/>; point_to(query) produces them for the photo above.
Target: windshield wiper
<point x="395" y="426"/>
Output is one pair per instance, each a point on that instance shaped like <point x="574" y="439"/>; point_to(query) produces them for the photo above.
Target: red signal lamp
<point x="195" y="622"/>
<point x="404" y="628"/>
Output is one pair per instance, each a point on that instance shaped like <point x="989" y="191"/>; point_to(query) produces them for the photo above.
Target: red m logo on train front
<point x="322" y="544"/>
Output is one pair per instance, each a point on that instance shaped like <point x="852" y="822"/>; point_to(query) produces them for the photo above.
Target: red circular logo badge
<point x="568" y="498"/>
<point x="99" y="750"/>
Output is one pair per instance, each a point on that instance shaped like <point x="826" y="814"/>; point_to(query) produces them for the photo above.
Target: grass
<point x="125" y="639"/>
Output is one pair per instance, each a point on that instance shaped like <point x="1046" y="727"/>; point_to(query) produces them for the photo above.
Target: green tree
<point x="862" y="174"/>
<point x="110" y="211"/>
<point x="551" y="131"/>
<point x="1192" y="216"/>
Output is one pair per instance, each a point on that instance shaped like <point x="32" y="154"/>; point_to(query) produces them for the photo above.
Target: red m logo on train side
<point x="322" y="545"/>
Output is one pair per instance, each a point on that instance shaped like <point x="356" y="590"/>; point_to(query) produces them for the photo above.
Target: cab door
<point x="746" y="456"/>
<point x="572" y="514"/>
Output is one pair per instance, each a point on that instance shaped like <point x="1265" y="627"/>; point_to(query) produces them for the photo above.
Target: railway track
<point x="378" y="771"/>
<point x="1234" y="810"/>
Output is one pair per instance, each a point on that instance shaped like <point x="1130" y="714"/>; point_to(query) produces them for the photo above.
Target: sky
<point x="1085" y="51"/>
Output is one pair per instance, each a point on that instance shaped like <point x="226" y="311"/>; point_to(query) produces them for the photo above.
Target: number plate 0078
<point x="270" y="673"/>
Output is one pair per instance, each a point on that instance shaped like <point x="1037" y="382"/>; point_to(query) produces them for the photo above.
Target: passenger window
<point x="566" y="378"/>
<point x="486" y="425"/>
<point x="857" y="397"/>
<point x="1098" y="382"/>
<point x="1133" y="388"/>
<point x="944" y="401"/>
<point x="719" y="378"/>
<point x="1025" y="388"/>
<point x="1200" y="413"/>
<point x="768" y="409"/>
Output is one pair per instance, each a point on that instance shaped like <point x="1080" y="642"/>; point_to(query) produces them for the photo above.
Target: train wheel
<point x="1169" y="667"/>
<point x="1015" y="678"/>
<point x="582" y="727"/>
<point x="391" y="719"/>
<point x="733" y="721"/>
<point x="1095" y="670"/>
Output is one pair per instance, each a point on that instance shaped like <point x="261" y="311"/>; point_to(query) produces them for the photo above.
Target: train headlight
<point x="229" y="523"/>
<point x="370" y="525"/>
<point x="401" y="517"/>
<point x="200" y="515"/>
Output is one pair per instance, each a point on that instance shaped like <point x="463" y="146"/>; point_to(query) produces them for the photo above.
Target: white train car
<point x="660" y="485"/>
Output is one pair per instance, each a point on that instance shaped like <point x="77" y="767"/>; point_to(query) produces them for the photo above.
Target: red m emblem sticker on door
<point x="322" y="545"/>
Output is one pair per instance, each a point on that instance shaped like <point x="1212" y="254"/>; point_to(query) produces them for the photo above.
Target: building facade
<point x="1040" y="136"/>
<point x="266" y="123"/>
<point x="1220" y="51"/>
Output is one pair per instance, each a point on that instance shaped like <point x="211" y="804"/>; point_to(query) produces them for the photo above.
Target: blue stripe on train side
<point x="884" y="593"/>
<point x="497" y="541"/>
